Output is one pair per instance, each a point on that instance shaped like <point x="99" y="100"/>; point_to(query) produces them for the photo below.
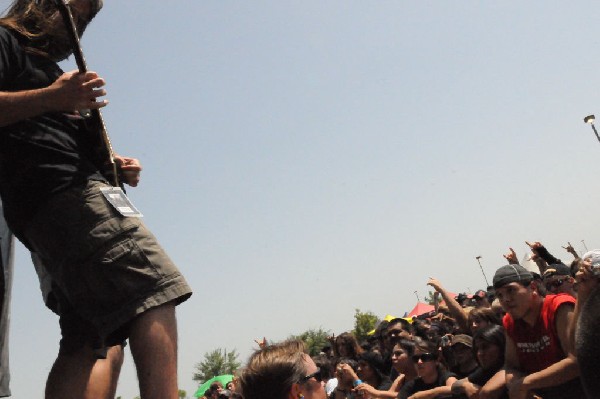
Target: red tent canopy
<point x="420" y="308"/>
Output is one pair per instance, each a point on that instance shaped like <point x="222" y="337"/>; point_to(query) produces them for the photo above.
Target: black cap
<point x="557" y="269"/>
<point x="510" y="274"/>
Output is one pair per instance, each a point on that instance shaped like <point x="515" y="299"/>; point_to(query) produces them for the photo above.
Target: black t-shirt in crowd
<point x="418" y="385"/>
<point x="480" y="377"/>
<point x="43" y="155"/>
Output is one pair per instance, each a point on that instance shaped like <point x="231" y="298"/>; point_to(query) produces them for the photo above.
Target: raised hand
<point x="511" y="257"/>
<point x="261" y="344"/>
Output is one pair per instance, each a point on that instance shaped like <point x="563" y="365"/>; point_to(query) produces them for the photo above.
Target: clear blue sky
<point x="303" y="159"/>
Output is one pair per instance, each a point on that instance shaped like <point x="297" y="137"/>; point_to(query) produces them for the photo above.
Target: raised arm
<point x="541" y="251"/>
<point x="511" y="257"/>
<point x="569" y="248"/>
<point x="453" y="306"/>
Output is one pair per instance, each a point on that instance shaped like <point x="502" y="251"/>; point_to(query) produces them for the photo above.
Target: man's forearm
<point x="557" y="374"/>
<point x="20" y="105"/>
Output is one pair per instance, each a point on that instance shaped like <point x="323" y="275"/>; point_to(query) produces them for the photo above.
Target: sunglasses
<point x="425" y="357"/>
<point x="316" y="375"/>
<point x="555" y="284"/>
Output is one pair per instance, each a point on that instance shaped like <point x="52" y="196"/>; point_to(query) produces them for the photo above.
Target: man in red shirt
<point x="539" y="354"/>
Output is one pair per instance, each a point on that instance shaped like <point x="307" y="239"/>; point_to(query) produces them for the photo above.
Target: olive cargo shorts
<point x="105" y="268"/>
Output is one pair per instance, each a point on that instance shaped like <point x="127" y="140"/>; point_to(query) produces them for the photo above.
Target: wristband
<point x="357" y="383"/>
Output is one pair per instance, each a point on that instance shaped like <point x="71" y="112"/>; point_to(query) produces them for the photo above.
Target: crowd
<point x="516" y="339"/>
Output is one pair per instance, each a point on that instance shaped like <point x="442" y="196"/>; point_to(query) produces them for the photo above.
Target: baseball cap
<point x="511" y="273"/>
<point x="464" y="339"/>
<point x="557" y="269"/>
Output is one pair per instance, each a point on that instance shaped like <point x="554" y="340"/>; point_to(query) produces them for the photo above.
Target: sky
<point x="303" y="159"/>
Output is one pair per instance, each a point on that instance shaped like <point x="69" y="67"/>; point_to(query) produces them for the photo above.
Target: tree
<point x="314" y="340"/>
<point x="363" y="323"/>
<point x="217" y="362"/>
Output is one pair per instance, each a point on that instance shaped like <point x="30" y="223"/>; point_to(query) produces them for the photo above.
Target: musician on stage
<point x="111" y="281"/>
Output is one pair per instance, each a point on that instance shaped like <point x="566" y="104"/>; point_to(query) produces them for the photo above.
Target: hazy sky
<point x="303" y="159"/>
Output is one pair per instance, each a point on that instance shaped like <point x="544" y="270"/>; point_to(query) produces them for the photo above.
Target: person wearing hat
<point x="462" y="354"/>
<point x="540" y="356"/>
<point x="557" y="279"/>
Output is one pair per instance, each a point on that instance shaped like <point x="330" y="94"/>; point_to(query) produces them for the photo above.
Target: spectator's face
<point x="488" y="354"/>
<point x="462" y="353"/>
<point x="394" y="334"/>
<point x="558" y="284"/>
<point x="477" y="323"/>
<point x="425" y="363"/>
<point x="342" y="349"/>
<point x="364" y="371"/>
<point x="312" y="388"/>
<point x="515" y="299"/>
<point x="400" y="360"/>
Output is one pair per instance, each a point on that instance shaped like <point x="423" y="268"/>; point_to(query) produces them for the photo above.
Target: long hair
<point x="349" y="341"/>
<point x="36" y="19"/>
<point x="492" y="334"/>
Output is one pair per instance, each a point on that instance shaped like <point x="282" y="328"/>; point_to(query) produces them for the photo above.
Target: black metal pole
<point x="482" y="272"/>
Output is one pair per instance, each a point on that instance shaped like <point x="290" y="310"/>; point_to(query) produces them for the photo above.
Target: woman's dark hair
<point x="348" y="340"/>
<point x="486" y="314"/>
<point x="426" y="346"/>
<point x="326" y="366"/>
<point x="420" y="328"/>
<point x="492" y="334"/>
<point x="375" y="362"/>
<point x="407" y="346"/>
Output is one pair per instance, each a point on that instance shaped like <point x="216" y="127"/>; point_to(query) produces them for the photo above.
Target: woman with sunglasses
<point x="433" y="380"/>
<point x="281" y="371"/>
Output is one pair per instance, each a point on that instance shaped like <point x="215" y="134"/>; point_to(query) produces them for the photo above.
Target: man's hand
<point x="569" y="248"/>
<point x="435" y="284"/>
<point x="365" y="390"/>
<point x="517" y="389"/>
<point x="130" y="168"/>
<point x="534" y="245"/>
<point x="261" y="344"/>
<point x="511" y="257"/>
<point x="586" y="281"/>
<point x="74" y="91"/>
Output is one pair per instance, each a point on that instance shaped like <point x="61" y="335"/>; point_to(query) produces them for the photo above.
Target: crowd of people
<point x="517" y="339"/>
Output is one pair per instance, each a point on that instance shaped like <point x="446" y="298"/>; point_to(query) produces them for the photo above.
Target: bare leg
<point x="105" y="375"/>
<point x="79" y="375"/>
<point x="153" y="340"/>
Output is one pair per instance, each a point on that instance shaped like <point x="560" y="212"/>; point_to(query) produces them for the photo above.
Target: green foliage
<point x="217" y="362"/>
<point x="182" y="394"/>
<point x="363" y="323"/>
<point x="314" y="340"/>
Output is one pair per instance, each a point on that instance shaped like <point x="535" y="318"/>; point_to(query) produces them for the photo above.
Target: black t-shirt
<point x="480" y="377"/>
<point x="43" y="155"/>
<point x="418" y="385"/>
